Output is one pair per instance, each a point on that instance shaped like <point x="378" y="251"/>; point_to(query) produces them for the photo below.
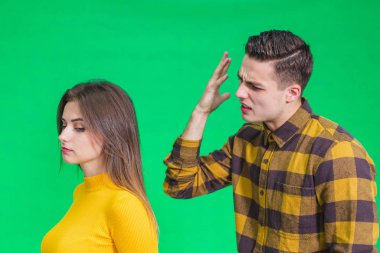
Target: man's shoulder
<point x="342" y="144"/>
<point x="331" y="129"/>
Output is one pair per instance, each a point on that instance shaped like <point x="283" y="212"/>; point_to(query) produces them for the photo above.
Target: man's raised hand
<point x="211" y="97"/>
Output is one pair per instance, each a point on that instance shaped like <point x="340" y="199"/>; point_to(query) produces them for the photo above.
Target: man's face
<point x="259" y="93"/>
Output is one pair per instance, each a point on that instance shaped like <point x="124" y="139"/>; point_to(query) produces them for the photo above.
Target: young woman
<point x="110" y="213"/>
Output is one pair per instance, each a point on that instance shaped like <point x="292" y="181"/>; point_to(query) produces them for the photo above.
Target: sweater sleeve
<point x="130" y="226"/>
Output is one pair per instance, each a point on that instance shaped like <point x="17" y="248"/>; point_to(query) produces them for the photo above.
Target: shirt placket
<point x="263" y="180"/>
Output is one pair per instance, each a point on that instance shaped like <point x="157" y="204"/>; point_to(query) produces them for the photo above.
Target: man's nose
<point x="241" y="91"/>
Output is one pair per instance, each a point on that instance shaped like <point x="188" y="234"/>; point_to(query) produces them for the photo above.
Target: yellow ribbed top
<point x="103" y="218"/>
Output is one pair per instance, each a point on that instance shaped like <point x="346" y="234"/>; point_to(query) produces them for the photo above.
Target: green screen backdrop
<point x="162" y="53"/>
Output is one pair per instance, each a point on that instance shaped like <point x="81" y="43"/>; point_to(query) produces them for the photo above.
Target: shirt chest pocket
<point x="293" y="211"/>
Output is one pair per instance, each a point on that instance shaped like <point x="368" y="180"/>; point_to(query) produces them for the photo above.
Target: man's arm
<point x="189" y="175"/>
<point x="211" y="99"/>
<point x="346" y="191"/>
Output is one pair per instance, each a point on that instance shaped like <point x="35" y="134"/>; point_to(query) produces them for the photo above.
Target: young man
<point x="301" y="183"/>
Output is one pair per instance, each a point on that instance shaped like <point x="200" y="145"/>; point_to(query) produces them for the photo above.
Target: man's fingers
<point x="219" y="75"/>
<point x="221" y="80"/>
<point x="220" y="100"/>
<point x="225" y="96"/>
<point x="221" y="66"/>
<point x="224" y="57"/>
<point x="226" y="66"/>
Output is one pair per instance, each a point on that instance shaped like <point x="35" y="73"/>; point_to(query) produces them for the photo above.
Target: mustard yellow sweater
<point x="103" y="218"/>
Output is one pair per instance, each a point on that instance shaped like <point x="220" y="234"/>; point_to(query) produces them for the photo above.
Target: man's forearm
<point x="210" y="100"/>
<point x="195" y="127"/>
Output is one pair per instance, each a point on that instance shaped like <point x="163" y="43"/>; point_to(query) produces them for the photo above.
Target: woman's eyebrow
<point x="77" y="119"/>
<point x="73" y="120"/>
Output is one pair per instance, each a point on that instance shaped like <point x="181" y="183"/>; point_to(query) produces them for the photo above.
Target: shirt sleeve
<point x="189" y="175"/>
<point x="130" y="226"/>
<point x="346" y="191"/>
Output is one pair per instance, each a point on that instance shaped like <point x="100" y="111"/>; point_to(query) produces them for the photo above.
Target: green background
<point x="162" y="53"/>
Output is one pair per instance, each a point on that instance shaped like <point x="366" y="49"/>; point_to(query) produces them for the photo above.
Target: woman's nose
<point x="64" y="135"/>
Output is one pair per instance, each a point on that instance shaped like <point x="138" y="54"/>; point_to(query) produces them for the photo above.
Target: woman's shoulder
<point x="126" y="209"/>
<point x="78" y="191"/>
<point x="130" y="225"/>
<point x="123" y="198"/>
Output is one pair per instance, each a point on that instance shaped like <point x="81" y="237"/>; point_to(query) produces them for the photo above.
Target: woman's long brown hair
<point x="109" y="113"/>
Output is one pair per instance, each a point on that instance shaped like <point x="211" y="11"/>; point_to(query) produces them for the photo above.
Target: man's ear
<point x="294" y="92"/>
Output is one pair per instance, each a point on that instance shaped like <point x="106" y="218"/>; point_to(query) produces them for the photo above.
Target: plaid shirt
<point x="306" y="187"/>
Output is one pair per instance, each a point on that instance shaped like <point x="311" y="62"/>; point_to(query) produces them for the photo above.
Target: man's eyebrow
<point x="255" y="83"/>
<point x="249" y="81"/>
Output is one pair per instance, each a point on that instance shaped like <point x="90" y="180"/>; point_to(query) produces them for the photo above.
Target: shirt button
<point x="261" y="192"/>
<point x="265" y="161"/>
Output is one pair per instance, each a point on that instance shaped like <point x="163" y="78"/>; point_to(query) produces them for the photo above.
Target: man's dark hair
<point x="292" y="58"/>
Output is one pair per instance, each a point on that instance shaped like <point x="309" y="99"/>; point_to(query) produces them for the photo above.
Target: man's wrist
<point x="199" y="112"/>
<point x="194" y="128"/>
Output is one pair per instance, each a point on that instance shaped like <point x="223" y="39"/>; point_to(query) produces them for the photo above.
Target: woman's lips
<point x="65" y="150"/>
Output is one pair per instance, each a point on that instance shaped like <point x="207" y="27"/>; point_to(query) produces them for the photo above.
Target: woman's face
<point x="78" y="145"/>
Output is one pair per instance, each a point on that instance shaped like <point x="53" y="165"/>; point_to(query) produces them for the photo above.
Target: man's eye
<point x="253" y="87"/>
<point x="80" y="129"/>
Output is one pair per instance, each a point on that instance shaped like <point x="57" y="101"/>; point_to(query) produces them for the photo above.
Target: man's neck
<point x="288" y="112"/>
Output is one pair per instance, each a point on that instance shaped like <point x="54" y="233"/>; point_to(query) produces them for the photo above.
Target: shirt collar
<point x="299" y="119"/>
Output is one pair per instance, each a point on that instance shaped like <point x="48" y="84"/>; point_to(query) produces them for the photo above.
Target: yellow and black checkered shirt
<point x="309" y="186"/>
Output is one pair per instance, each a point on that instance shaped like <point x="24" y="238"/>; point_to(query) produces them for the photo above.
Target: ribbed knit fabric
<point x="103" y="218"/>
